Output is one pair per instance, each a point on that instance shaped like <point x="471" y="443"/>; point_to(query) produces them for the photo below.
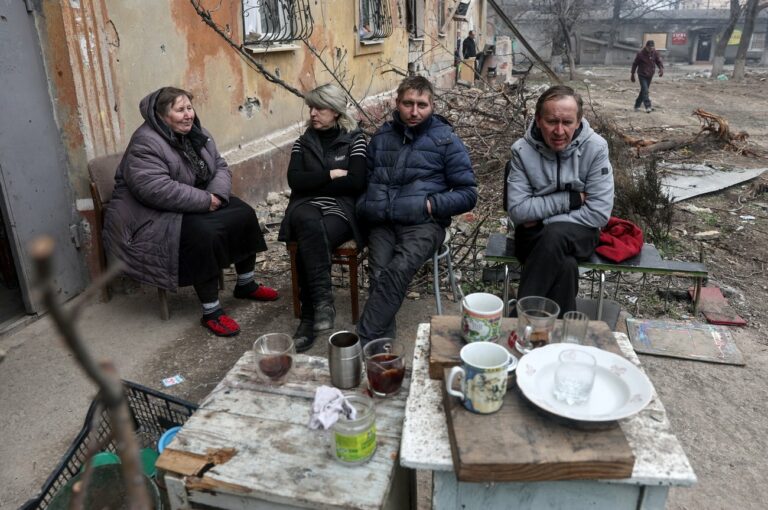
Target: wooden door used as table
<point x="660" y="461"/>
<point x="249" y="446"/>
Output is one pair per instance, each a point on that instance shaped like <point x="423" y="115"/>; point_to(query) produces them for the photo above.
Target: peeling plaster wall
<point x="118" y="51"/>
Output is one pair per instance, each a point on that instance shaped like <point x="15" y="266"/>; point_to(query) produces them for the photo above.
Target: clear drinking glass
<point x="384" y="366"/>
<point x="274" y="355"/>
<point x="574" y="376"/>
<point x="575" y="325"/>
<point x="536" y="317"/>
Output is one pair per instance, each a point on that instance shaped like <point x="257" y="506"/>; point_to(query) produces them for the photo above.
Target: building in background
<point x="681" y="34"/>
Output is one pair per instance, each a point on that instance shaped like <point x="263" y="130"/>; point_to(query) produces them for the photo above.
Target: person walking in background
<point x="419" y="175"/>
<point x="646" y="62"/>
<point x="326" y="174"/>
<point x="559" y="195"/>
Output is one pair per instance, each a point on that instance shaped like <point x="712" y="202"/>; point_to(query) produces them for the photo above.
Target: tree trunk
<point x="568" y="48"/>
<point x="764" y="58"/>
<point x="556" y="57"/>
<point x="746" y="36"/>
<point x="615" y="20"/>
<point x="722" y="42"/>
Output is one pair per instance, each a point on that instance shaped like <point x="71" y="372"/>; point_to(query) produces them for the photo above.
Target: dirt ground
<point x="717" y="411"/>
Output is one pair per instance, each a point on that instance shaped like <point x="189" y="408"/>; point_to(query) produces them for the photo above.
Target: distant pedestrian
<point x="646" y="62"/>
<point x="468" y="47"/>
<point x="469" y="50"/>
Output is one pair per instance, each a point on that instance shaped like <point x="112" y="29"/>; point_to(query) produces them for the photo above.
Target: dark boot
<point x="305" y="335"/>
<point x="318" y="281"/>
<point x="325" y="315"/>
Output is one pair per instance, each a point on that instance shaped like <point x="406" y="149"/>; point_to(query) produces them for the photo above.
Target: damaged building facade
<point x="74" y="72"/>
<point x="683" y="35"/>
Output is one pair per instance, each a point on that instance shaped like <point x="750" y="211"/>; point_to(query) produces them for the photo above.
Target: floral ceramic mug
<point x="485" y="368"/>
<point x="481" y="317"/>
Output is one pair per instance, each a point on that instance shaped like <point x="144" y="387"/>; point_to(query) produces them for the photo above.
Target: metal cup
<point x="345" y="359"/>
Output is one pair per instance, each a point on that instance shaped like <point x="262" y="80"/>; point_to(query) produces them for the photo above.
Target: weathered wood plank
<point x="517" y="443"/>
<point x="659" y="458"/>
<point x="275" y="457"/>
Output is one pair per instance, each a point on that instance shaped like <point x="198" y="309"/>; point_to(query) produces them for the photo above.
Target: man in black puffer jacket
<point x="419" y="175"/>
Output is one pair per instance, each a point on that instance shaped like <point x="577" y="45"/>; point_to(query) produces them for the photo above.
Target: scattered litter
<point x="739" y="228"/>
<point x="709" y="234"/>
<point x="683" y="181"/>
<point x="413" y="295"/>
<point x="747" y="217"/>
<point x="172" y="381"/>
<point x="716" y="308"/>
<point x="684" y="339"/>
<point x="692" y="208"/>
<point x="273" y="198"/>
<point x="722" y="77"/>
<point x="631" y="299"/>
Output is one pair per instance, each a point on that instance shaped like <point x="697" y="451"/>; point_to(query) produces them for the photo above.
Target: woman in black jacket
<point x="326" y="174"/>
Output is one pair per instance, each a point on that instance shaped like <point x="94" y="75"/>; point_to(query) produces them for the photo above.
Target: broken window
<point x="414" y="14"/>
<point x="375" y="19"/>
<point x="276" y="21"/>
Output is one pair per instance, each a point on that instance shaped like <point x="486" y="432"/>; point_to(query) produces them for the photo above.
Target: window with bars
<point x="757" y="42"/>
<point x="276" y="21"/>
<point x="414" y="14"/>
<point x="375" y="19"/>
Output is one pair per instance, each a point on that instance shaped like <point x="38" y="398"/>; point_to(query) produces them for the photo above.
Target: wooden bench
<point x="501" y="249"/>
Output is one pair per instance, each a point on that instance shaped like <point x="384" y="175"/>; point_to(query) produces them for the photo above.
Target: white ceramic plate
<point x="620" y="389"/>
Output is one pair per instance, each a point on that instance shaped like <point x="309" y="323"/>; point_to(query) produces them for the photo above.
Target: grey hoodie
<point x="540" y="181"/>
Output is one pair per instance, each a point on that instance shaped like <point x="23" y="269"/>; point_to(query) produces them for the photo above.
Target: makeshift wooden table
<point x="248" y="446"/>
<point x="659" y="459"/>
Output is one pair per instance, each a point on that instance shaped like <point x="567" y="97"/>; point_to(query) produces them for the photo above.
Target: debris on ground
<point x="173" y="381"/>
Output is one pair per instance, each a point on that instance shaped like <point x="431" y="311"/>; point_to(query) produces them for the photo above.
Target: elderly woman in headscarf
<point x="326" y="174"/>
<point x="172" y="218"/>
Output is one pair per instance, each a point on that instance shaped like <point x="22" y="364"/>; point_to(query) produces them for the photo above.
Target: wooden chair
<point x="102" y="175"/>
<point x="348" y="255"/>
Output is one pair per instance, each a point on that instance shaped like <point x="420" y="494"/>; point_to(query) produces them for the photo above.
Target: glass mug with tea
<point x="536" y="317"/>
<point x="274" y="355"/>
<point x="384" y="366"/>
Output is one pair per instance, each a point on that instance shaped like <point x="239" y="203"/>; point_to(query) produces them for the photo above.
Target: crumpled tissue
<point x="328" y="405"/>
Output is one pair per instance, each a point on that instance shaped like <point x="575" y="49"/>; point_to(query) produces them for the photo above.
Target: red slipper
<point x="261" y="293"/>
<point x="223" y="325"/>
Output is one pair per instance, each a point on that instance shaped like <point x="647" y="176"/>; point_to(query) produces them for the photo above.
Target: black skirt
<point x="212" y="241"/>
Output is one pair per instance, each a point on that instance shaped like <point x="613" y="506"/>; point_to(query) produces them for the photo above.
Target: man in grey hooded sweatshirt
<point x="559" y="195"/>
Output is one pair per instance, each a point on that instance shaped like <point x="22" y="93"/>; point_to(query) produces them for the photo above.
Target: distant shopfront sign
<point x="679" y="37"/>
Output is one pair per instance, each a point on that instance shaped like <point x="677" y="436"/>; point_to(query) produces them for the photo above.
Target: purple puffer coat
<point x="154" y="187"/>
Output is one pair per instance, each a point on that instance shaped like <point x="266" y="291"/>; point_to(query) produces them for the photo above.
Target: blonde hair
<point x="333" y="98"/>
